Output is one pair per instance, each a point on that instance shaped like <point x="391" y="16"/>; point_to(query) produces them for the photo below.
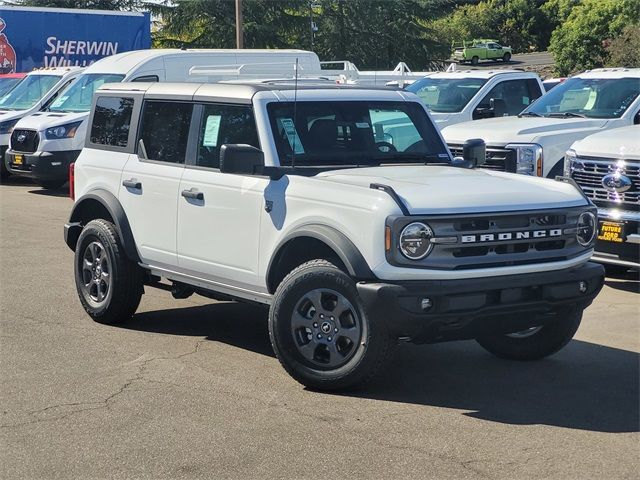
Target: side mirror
<point x="498" y="107"/>
<point x="241" y="159"/>
<point x="474" y="151"/>
<point x="636" y="119"/>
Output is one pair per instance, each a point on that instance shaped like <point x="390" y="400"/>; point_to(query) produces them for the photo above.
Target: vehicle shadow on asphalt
<point x="627" y="282"/>
<point x="585" y="386"/>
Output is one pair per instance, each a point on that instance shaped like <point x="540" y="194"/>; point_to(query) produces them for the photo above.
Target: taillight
<point x="72" y="181"/>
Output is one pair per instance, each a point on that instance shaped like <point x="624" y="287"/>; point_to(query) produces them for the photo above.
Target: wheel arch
<point x="100" y="203"/>
<point x="315" y="241"/>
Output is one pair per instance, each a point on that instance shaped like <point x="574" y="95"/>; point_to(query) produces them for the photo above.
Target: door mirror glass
<point x="241" y="159"/>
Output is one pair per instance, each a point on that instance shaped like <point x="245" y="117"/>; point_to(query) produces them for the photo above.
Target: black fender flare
<point x="113" y="206"/>
<point x="357" y="267"/>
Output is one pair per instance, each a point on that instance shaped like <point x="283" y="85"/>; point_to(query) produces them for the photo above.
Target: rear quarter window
<point x="111" y="121"/>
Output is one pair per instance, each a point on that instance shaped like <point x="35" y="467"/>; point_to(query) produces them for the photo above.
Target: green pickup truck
<point x="481" y="49"/>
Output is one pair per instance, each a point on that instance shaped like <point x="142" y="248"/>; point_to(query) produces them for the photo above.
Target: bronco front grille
<point x="494" y="239"/>
<point x="499" y="159"/>
<point x="589" y="173"/>
<point x="24" y="141"/>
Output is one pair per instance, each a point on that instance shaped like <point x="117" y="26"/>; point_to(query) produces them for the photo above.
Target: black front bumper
<point x="46" y="166"/>
<point x="468" y="308"/>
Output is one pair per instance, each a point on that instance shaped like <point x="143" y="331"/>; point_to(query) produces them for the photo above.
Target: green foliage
<point x="580" y="42"/>
<point x="520" y="24"/>
<point x="624" y="51"/>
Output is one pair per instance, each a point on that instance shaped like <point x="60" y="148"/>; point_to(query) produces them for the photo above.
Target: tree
<point x="624" y="51"/>
<point x="211" y="23"/>
<point x="580" y="42"/>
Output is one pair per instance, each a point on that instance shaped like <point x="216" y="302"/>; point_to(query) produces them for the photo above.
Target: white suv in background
<point x="535" y="142"/>
<point x="340" y="209"/>
<point x="464" y="95"/>
<point x="35" y="92"/>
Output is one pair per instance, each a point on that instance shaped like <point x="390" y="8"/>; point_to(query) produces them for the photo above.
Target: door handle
<point x="193" y="194"/>
<point x="132" y="183"/>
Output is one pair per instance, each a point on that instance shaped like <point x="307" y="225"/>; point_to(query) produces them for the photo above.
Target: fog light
<point x="425" y="304"/>
<point x="582" y="286"/>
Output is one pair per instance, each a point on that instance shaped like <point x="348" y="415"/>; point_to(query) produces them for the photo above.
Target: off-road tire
<point x="51" y="184"/>
<point x="369" y="354"/>
<point x="123" y="295"/>
<point x="475" y="60"/>
<point x="506" y="58"/>
<point x="549" y="339"/>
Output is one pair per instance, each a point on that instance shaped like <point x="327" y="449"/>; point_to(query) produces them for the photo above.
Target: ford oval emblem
<point x="21" y="138"/>
<point x="614" y="182"/>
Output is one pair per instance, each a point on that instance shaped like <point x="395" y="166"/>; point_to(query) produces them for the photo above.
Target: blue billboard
<point x="53" y="37"/>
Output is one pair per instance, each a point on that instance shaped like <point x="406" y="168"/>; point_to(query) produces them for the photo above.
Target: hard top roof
<point x="244" y="91"/>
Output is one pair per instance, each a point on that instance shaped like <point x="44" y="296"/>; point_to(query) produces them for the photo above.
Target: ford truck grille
<point x="495" y="240"/>
<point x="500" y="159"/>
<point x="24" y="141"/>
<point x="590" y="174"/>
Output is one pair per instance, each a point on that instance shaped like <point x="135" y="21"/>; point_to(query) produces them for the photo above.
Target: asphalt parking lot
<point x="191" y="389"/>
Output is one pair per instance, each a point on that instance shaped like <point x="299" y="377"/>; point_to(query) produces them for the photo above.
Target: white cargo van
<point x="36" y="91"/>
<point x="43" y="145"/>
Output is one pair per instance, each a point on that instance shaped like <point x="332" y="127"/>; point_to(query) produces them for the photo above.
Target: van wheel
<point x="108" y="283"/>
<point x="320" y="331"/>
<point x="51" y="184"/>
<point x="536" y="342"/>
<point x="506" y="57"/>
<point x="474" y="60"/>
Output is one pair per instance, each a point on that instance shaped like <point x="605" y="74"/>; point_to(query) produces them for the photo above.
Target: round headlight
<point x="587" y="226"/>
<point x="415" y="241"/>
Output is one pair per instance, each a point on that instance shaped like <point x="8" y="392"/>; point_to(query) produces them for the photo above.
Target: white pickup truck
<point x="464" y="95"/>
<point x="535" y="142"/>
<point x="606" y="165"/>
<point x="338" y="208"/>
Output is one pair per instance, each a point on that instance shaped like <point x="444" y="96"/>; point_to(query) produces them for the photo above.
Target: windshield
<point x="28" y="92"/>
<point x="446" y="95"/>
<point x="6" y="84"/>
<point x="354" y="133"/>
<point x="588" y="97"/>
<point x="77" y="96"/>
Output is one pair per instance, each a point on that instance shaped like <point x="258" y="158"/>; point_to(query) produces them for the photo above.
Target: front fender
<point x="93" y="205"/>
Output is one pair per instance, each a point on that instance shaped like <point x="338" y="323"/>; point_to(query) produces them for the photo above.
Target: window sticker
<point x="362" y="125"/>
<point x="59" y="101"/>
<point x="211" y="129"/>
<point x="525" y="101"/>
<point x="292" y="135"/>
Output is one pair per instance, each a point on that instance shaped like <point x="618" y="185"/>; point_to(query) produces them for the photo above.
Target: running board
<point x="229" y="290"/>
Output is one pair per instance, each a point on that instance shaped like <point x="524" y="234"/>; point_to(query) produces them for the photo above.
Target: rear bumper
<point x="471" y="307"/>
<point x="45" y="166"/>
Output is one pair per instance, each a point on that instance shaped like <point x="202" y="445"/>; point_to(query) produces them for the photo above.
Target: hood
<point x="41" y="120"/>
<point x="505" y="130"/>
<point x="435" y="189"/>
<point x="623" y="143"/>
<point x="11" y="115"/>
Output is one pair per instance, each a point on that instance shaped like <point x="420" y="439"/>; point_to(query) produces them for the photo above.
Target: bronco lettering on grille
<point x="506" y="236"/>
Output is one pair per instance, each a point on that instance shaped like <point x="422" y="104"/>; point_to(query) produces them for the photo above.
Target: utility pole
<point x="239" y="31"/>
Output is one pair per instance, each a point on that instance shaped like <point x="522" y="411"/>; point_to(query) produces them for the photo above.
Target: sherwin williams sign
<point x="53" y="37"/>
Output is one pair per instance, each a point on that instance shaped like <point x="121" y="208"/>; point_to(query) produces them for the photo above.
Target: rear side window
<point x="111" y="121"/>
<point x="222" y="124"/>
<point x="165" y="130"/>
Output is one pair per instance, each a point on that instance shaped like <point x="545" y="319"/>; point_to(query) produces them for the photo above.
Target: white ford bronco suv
<point x="339" y="208"/>
<point x="534" y="142"/>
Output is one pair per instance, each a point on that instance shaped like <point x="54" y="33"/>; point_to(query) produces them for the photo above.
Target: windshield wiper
<point x="567" y="115"/>
<point x="529" y="114"/>
<point x="399" y="157"/>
